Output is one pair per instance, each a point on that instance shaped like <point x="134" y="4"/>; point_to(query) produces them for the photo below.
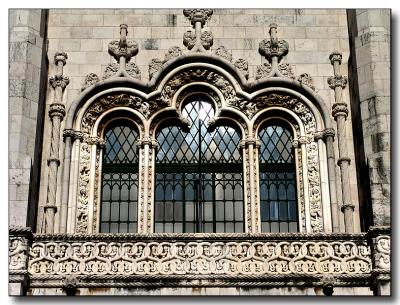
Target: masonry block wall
<point x="25" y="64"/>
<point x="312" y="35"/>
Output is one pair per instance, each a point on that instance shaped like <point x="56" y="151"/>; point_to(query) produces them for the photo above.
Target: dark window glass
<point x="277" y="180"/>
<point x="199" y="183"/>
<point x="120" y="180"/>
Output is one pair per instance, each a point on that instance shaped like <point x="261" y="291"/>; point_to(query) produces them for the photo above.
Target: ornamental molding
<point x="57" y="109"/>
<point x="111" y="101"/>
<point x="340" y="109"/>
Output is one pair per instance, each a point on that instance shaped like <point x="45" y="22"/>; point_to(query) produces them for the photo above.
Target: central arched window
<point x="119" y="198"/>
<point x="199" y="183"/>
<point x="278" y="203"/>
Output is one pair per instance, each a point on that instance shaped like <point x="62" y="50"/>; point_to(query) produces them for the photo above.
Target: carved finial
<point x="198" y="15"/>
<point x="273" y="48"/>
<point x="123" y="47"/>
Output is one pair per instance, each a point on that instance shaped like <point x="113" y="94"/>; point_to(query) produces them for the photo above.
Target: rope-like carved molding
<point x="180" y="258"/>
<point x="159" y="281"/>
<point x="111" y="101"/>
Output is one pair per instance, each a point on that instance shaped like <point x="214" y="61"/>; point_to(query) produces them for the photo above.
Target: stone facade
<point x="142" y="59"/>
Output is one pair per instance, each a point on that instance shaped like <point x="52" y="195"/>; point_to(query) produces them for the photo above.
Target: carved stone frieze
<point x="90" y="80"/>
<point x="199" y="258"/>
<point x="314" y="187"/>
<point x="306" y="79"/>
<point x="198" y="15"/>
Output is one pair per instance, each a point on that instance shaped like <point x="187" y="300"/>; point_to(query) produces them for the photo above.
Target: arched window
<point x="119" y="179"/>
<point x="199" y="183"/>
<point x="277" y="179"/>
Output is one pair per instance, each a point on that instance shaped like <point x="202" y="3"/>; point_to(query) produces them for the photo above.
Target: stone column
<point x="56" y="113"/>
<point x="340" y="113"/>
<point x="379" y="239"/>
<point x="328" y="135"/>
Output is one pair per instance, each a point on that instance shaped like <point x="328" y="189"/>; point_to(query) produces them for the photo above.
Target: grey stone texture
<point x="373" y="68"/>
<point x="25" y="54"/>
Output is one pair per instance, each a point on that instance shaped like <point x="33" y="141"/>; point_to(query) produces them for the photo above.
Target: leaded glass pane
<point x="118" y="213"/>
<point x="277" y="180"/>
<point x="190" y="179"/>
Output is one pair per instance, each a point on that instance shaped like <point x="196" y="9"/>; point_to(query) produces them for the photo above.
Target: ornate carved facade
<point x="320" y="243"/>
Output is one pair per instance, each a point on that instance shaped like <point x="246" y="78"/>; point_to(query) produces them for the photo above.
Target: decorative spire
<point x="198" y="40"/>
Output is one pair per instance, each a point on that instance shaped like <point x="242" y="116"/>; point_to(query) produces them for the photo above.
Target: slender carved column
<point x="56" y="113"/>
<point x="147" y="152"/>
<point x="328" y="135"/>
<point x="340" y="113"/>
<point x="249" y="151"/>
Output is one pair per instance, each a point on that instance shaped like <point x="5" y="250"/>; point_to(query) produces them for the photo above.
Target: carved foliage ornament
<point x="116" y="49"/>
<point x="156" y="64"/>
<point x="206" y="39"/>
<point x="337" y="81"/>
<point x="90" y="80"/>
<point x="271" y="48"/>
<point x="306" y="79"/>
<point x="198" y="15"/>
<point x="59" y="80"/>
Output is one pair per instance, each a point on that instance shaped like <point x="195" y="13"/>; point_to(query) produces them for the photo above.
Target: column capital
<point x="340" y="109"/>
<point x="347" y="206"/>
<point x="57" y="109"/>
<point x="55" y="160"/>
<point x="337" y="81"/>
<point x="329" y="132"/>
<point x="96" y="141"/>
<point x="250" y="141"/>
<point x="60" y="57"/>
<point x="147" y="140"/>
<point x="305" y="139"/>
<point x="50" y="207"/>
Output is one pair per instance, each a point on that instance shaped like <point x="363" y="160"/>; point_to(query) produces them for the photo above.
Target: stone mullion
<point x="340" y="112"/>
<point x="256" y="175"/>
<point x="56" y="113"/>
